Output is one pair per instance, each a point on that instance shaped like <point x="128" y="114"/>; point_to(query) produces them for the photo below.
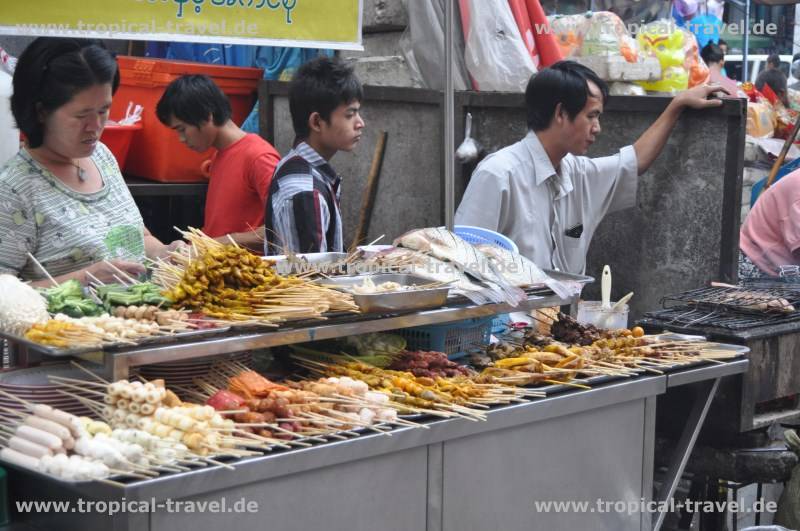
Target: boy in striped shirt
<point x="302" y="209"/>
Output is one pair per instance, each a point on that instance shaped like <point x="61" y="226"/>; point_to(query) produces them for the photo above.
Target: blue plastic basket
<point x="454" y="339"/>
<point x="479" y="235"/>
<point x="475" y="235"/>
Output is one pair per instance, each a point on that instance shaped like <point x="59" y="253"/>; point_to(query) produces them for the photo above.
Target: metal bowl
<point x="393" y="301"/>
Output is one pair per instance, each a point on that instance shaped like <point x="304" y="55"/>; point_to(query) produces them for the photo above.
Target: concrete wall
<point x="681" y="233"/>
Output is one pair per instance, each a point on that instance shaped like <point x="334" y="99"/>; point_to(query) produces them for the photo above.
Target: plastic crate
<point x="477" y="235"/>
<point x="454" y="339"/>
<point x="156" y="153"/>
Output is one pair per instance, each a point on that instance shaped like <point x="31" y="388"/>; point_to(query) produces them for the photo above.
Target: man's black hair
<point x="565" y="82"/>
<point x="50" y="72"/>
<point x="774" y="60"/>
<point x="321" y="85"/>
<point x="774" y="78"/>
<point x="712" y="53"/>
<point x="722" y="43"/>
<point x="192" y="99"/>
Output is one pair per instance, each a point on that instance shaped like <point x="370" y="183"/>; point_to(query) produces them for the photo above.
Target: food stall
<point x="418" y="471"/>
<point x="421" y="471"/>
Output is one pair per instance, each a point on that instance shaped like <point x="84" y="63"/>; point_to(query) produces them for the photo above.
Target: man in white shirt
<point x="541" y="192"/>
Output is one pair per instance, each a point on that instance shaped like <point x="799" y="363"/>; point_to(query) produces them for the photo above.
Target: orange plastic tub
<point x="155" y="151"/>
<point x="118" y="139"/>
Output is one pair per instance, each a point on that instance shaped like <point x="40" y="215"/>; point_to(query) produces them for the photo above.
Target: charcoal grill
<point x="768" y="392"/>
<point x="781" y="300"/>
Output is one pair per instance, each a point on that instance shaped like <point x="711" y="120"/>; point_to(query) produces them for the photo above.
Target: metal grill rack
<point x="688" y="316"/>
<point x="781" y="301"/>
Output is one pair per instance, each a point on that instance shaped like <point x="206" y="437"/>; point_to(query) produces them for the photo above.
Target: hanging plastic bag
<point x="521" y="16"/>
<point x="693" y="63"/>
<point x="494" y="53"/>
<point x="423" y="45"/>
<point x="7" y="62"/>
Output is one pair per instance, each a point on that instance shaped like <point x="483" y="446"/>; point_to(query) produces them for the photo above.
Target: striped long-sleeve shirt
<point x="302" y="211"/>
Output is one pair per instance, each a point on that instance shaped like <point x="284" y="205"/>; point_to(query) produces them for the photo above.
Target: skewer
<point x="95" y="279"/>
<point x="90" y="373"/>
<point x="218" y="463"/>
<point x="121" y="272"/>
<point x="43" y="270"/>
<point x="111" y="483"/>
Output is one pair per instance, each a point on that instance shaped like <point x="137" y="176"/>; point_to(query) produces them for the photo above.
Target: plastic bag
<point x="676" y="50"/>
<point x="760" y="120"/>
<point x="423" y="45"/>
<point x="606" y="35"/>
<point x="7" y="62"/>
<point x="569" y="31"/>
<point x="495" y="55"/>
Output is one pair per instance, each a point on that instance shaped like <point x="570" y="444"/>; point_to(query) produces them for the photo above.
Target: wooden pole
<point x="368" y="199"/>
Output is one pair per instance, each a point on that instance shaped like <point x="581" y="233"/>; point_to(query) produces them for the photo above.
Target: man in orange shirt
<point x="241" y="169"/>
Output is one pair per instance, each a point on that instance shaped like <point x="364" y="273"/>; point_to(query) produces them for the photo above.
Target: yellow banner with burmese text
<point x="299" y="23"/>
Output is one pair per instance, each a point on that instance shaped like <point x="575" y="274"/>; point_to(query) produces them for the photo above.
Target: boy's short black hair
<point x="50" y="72"/>
<point x="712" y="53"/>
<point x="565" y="82"/>
<point x="321" y="85"/>
<point x="774" y="60"/>
<point x="191" y="99"/>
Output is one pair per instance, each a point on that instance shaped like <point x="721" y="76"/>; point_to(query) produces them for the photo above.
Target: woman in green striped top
<point x="62" y="197"/>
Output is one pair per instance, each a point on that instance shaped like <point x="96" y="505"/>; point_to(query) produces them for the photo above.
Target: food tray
<point x="420" y="299"/>
<point x="154" y="340"/>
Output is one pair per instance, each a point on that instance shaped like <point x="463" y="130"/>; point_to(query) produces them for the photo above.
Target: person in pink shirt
<point x="770" y="235"/>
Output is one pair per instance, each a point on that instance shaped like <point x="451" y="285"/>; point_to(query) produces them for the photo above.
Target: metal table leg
<point x="680" y="456"/>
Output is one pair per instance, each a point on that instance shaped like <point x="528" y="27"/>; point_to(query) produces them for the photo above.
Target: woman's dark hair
<point x="565" y="82"/>
<point x="321" y="85"/>
<point x="774" y="60"/>
<point x="50" y="72"/>
<point x="722" y="42"/>
<point x="774" y="78"/>
<point x="712" y="53"/>
<point x="192" y="99"/>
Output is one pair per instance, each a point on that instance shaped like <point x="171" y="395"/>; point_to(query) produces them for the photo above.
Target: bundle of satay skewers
<point x="228" y="282"/>
<point x="458" y="396"/>
<point x="538" y="358"/>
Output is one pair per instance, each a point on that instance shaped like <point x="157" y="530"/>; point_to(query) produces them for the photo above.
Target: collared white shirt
<point x="551" y="215"/>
